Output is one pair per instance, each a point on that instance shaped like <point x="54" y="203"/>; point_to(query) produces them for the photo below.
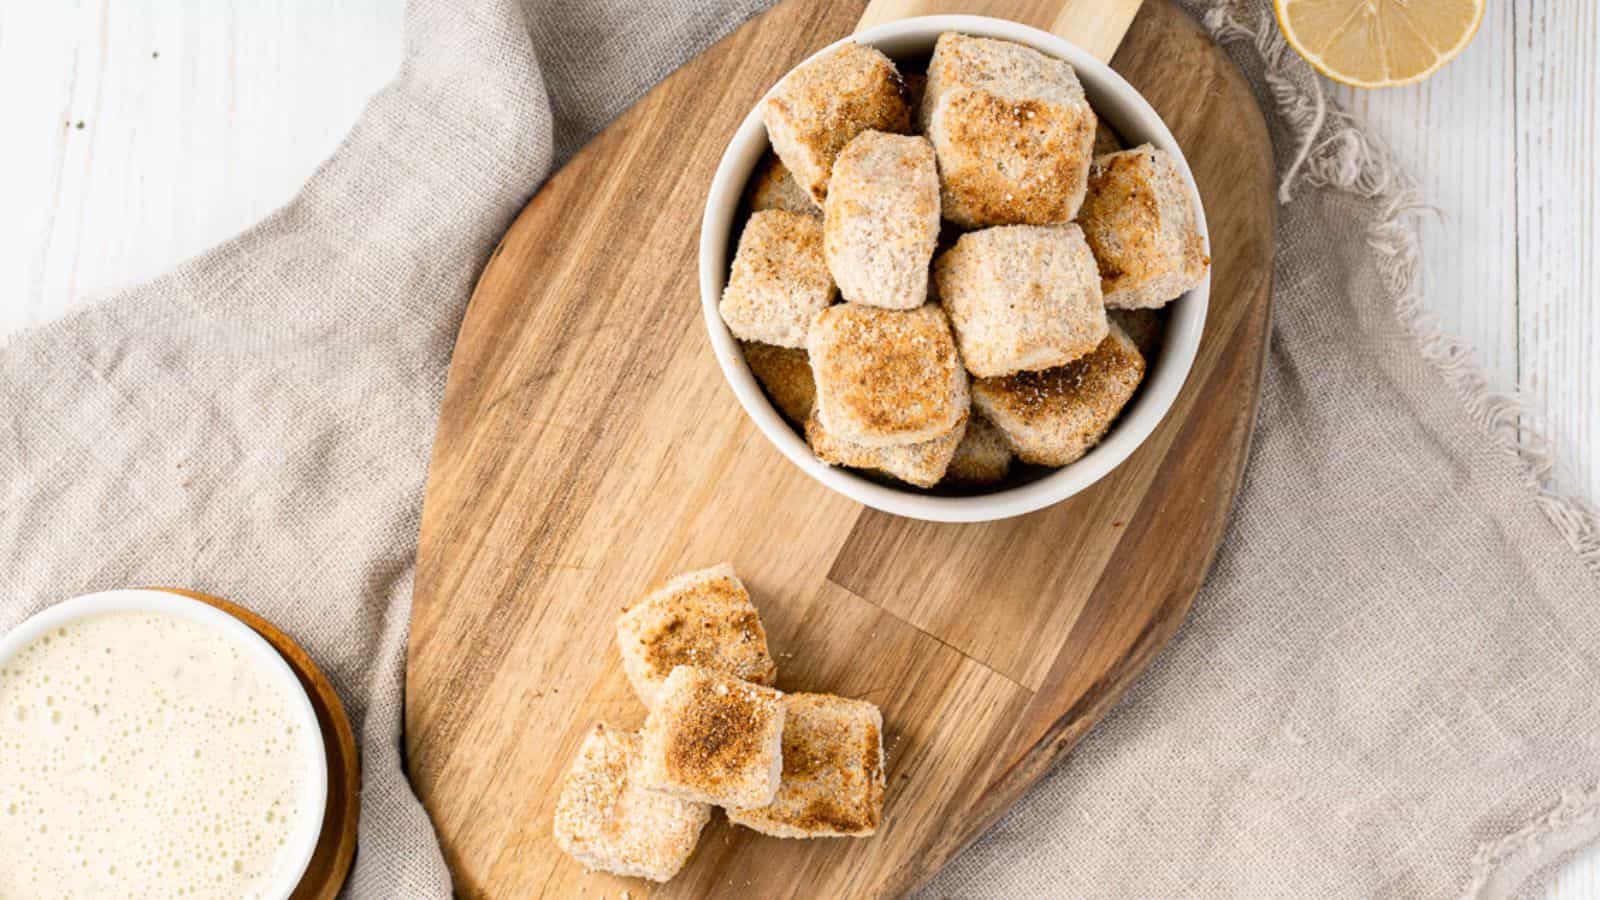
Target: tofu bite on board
<point x="1013" y="131"/>
<point x="887" y="377"/>
<point x="779" y="280"/>
<point x="1053" y="417"/>
<point x="1141" y="224"/>
<point x="702" y="618"/>
<point x="772" y="187"/>
<point x="713" y="738"/>
<point x="607" y="821"/>
<point x="881" y="220"/>
<point x="1021" y="298"/>
<point x="785" y="373"/>
<point x="833" y="771"/>
<point x="816" y="109"/>
<point x="921" y="464"/>
<point x="982" y="457"/>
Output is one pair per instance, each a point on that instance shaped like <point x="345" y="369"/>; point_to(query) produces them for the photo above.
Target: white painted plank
<point x="199" y="119"/>
<point x="1456" y="133"/>
<point x="1558" y="100"/>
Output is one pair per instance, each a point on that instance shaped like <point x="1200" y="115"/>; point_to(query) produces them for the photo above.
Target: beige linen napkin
<point x="1389" y="685"/>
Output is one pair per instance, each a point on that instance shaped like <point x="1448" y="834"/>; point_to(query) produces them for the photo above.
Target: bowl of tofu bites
<point x="954" y="268"/>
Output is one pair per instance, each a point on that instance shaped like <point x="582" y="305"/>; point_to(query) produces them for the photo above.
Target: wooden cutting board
<point x="588" y="447"/>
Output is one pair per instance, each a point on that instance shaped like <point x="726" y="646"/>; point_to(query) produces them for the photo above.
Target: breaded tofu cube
<point x="607" y="821"/>
<point x="1145" y="326"/>
<point x="772" y="187"/>
<point x="713" y="738"/>
<point x="921" y="464"/>
<point x="982" y="457"/>
<point x="1140" y="222"/>
<point x="785" y="373"/>
<point x="887" y="377"/>
<point x="833" y="771"/>
<point x="881" y="220"/>
<point x="702" y="618"/>
<point x="779" y="280"/>
<point x="1106" y="139"/>
<point x="1021" y="298"/>
<point x="816" y="109"/>
<point x="1013" y="130"/>
<point x="1053" y="417"/>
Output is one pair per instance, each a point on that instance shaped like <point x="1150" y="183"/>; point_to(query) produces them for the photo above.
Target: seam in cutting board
<point x="936" y="639"/>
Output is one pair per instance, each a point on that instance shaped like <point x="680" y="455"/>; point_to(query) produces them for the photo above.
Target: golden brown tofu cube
<point x="785" y="373"/>
<point x="713" y="738"/>
<point x="607" y="821"/>
<point x="1141" y="224"/>
<point x="1013" y="131"/>
<point x="887" y="377"/>
<point x="1053" y="417"/>
<point x="1021" y="298"/>
<point x="833" y="771"/>
<point x="982" y="457"/>
<point x="772" y="187"/>
<point x="882" y="219"/>
<point x="816" y="110"/>
<point x="702" y="618"/>
<point x="779" y="280"/>
<point x="921" y="464"/>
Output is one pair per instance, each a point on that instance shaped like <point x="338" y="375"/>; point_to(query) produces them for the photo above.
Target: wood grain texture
<point x="336" y="848"/>
<point x="151" y="179"/>
<point x="588" y="447"/>
<point x="1097" y="26"/>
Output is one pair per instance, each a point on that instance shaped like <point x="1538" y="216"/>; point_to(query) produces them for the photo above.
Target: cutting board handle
<point x="1097" y="26"/>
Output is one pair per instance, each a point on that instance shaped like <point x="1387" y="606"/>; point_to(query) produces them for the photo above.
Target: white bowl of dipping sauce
<point x="153" y="746"/>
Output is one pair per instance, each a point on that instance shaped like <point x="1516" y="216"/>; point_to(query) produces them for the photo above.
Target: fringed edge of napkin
<point x="1332" y="151"/>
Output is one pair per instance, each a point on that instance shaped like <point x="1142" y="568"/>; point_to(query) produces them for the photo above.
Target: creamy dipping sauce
<point x="145" y="755"/>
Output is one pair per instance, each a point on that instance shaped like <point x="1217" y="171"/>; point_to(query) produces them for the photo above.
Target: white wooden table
<point x="139" y="132"/>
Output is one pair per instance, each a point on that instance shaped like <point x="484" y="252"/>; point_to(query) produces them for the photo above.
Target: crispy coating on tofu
<point x="817" y="108"/>
<point x="772" y="187"/>
<point x="921" y="464"/>
<point x="833" y="771"/>
<point x="702" y="618"/>
<point x="1106" y="139"/>
<point x="887" y="377"/>
<point x="1021" y="298"/>
<point x="881" y="220"/>
<point x="1144" y="326"/>
<point x="713" y="738"/>
<point x="1053" y="417"/>
<point x="605" y="820"/>
<point x="1013" y="131"/>
<point x="785" y="373"/>
<point x="982" y="457"/>
<point x="1140" y="221"/>
<point x="779" y="280"/>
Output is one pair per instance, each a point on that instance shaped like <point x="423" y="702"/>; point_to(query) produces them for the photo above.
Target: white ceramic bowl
<point x="303" y="839"/>
<point x="1118" y="103"/>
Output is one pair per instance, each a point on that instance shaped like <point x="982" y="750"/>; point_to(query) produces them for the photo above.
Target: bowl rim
<point x="1134" y="118"/>
<point x="302" y="842"/>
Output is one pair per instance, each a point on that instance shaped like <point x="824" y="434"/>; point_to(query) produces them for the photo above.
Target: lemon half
<point x="1378" y="43"/>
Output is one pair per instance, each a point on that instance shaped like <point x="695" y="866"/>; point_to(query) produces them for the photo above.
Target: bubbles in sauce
<point x="145" y="756"/>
